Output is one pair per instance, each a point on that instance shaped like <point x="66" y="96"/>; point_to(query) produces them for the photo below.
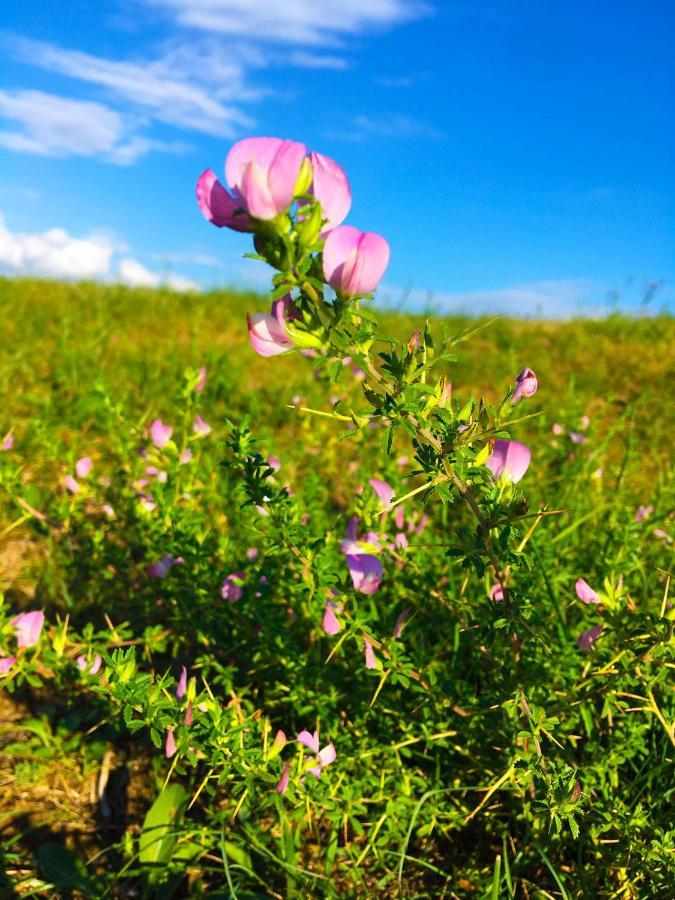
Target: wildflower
<point x="365" y="570"/>
<point x="201" y="381"/>
<point x="267" y="332"/>
<point x="585" y="592"/>
<point x="181" y="687"/>
<point x="587" y="638"/>
<point x="577" y="438"/>
<point x="83" y="665"/>
<point x="383" y="490"/>
<point x="509" y="459"/>
<point x="71" y="485"/>
<point x="159" y="474"/>
<point x="642" y="512"/>
<point x="252" y="553"/>
<point x="331" y="188"/>
<point x="232" y="589"/>
<point x="323" y="757"/>
<point x="497" y="593"/>
<point x="162" y="567"/>
<point x="330" y="622"/>
<point x="557" y="428"/>
<point x="7" y="442"/>
<point x="354" y="261"/>
<point x="187" y="720"/>
<point x="526" y="385"/>
<point x="83" y="467"/>
<point x="185" y="457"/>
<point x="28" y="626"/>
<point x="282" y="784"/>
<point x="369" y="655"/>
<point x="160" y="433"/>
<point x="6" y="663"/>
<point x="170" y="745"/>
<point x="585" y="422"/>
<point x="201" y="427"/>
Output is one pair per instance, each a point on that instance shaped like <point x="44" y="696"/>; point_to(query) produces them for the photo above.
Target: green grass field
<point x="464" y="767"/>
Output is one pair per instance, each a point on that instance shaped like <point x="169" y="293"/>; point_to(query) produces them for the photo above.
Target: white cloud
<point x="294" y="21"/>
<point x="57" y="254"/>
<point x="305" y="60"/>
<point x="54" y="253"/>
<point x="189" y="87"/>
<point x="50" y="125"/>
<point x="393" y="126"/>
<point x="134" y="274"/>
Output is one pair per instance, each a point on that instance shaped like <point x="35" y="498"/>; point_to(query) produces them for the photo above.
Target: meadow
<point x="199" y="615"/>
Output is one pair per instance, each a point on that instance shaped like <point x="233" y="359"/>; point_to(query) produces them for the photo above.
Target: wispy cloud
<point x="394" y="126"/>
<point x="293" y="21"/>
<point x="305" y="60"/>
<point x="189" y="87"/>
<point x="55" y="253"/>
<point x="49" y="125"/>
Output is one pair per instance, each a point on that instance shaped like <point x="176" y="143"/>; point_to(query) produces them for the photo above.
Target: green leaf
<point x="156" y="841"/>
<point x="65" y="870"/>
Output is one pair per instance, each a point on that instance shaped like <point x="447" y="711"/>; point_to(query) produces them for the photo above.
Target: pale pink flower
<point x="8" y="442"/>
<point x="585" y="592"/>
<point x="162" y="567"/>
<point x="231" y="588"/>
<point x="201" y="381"/>
<point x="330" y="622"/>
<point x="642" y="513"/>
<point x="170" y="745"/>
<point x="83" y="664"/>
<point x="83" y="467"/>
<point x="509" y="459"/>
<point x="369" y="655"/>
<point x="274" y="462"/>
<point x="282" y="784"/>
<point x="526" y="385"/>
<point x="330" y="186"/>
<point x="587" y="638"/>
<point x="185" y="456"/>
<point x="383" y="490"/>
<point x="267" y="332"/>
<point x="181" y="687"/>
<point x="323" y="757"/>
<point x="497" y="593"/>
<point x="6" y="663"/>
<point x="557" y="428"/>
<point x="71" y="485"/>
<point x="577" y="438"/>
<point x="160" y="433"/>
<point x="28" y="626"/>
<point x="354" y="261"/>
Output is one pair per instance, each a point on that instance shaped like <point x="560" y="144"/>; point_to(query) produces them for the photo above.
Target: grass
<point x="438" y="788"/>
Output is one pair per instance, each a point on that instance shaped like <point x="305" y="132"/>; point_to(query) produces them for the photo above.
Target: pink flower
<point x="162" y="567"/>
<point x="526" y="385"/>
<point x="82" y="664"/>
<point x="252" y="553"/>
<point x="369" y="655"/>
<point x="201" y="381"/>
<point x="28" y="626"/>
<point x="83" y="467"/>
<point x="201" y="427"/>
<point x="71" y="485"/>
<point x="383" y="490"/>
<point x="585" y="592"/>
<point x="185" y="457"/>
<point x="509" y="459"/>
<point x="642" y="512"/>
<point x="8" y="442"/>
<point x="354" y="261"/>
<point x="160" y="433"/>
<point x="274" y="463"/>
<point x="187" y="719"/>
<point x="6" y="663"/>
<point x="366" y="571"/>
<point x="323" y="757"/>
<point x="219" y="207"/>
<point x="232" y="589"/>
<point x="181" y="687"/>
<point x="557" y="428"/>
<point x="159" y="474"/>
<point x="330" y="186"/>
<point x="267" y="332"/>
<point x="282" y="784"/>
<point x="330" y="623"/>
<point x="577" y="438"/>
<point x="587" y="638"/>
<point x="497" y="593"/>
<point x="170" y="745"/>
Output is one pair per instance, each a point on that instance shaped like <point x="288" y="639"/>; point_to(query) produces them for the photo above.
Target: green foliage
<point x="486" y="754"/>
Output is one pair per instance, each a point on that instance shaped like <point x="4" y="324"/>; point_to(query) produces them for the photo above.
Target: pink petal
<point x="232" y="589"/>
<point x="365" y="570"/>
<point x="96" y="665"/>
<point x="585" y="592"/>
<point x="83" y="467"/>
<point x="330" y="623"/>
<point x="218" y="206"/>
<point x="256" y="194"/>
<point x="8" y="442"/>
<point x="371" y="262"/>
<point x="201" y="382"/>
<point x="282" y="784"/>
<point x="71" y="484"/>
<point x="6" y="663"/>
<point x="261" y="150"/>
<point x="181" y="687"/>
<point x="186" y="456"/>
<point x="28" y="626"/>
<point x="341" y="243"/>
<point x="160" y="433"/>
<point x="509" y="458"/>
<point x="267" y="337"/>
<point x="170" y="745"/>
<point x="201" y="427"/>
<point x="283" y="173"/>
<point x="383" y="490"/>
<point x="526" y="385"/>
<point x="497" y="593"/>
<point x="311" y="741"/>
<point x="587" y="638"/>
<point x="369" y="653"/>
<point x="327" y="755"/>
<point x="331" y="188"/>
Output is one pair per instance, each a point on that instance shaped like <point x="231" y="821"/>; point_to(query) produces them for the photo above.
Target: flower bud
<point x="526" y="385"/>
<point x="354" y="261"/>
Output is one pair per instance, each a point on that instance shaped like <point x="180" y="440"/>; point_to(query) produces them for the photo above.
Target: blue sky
<point x="518" y="156"/>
